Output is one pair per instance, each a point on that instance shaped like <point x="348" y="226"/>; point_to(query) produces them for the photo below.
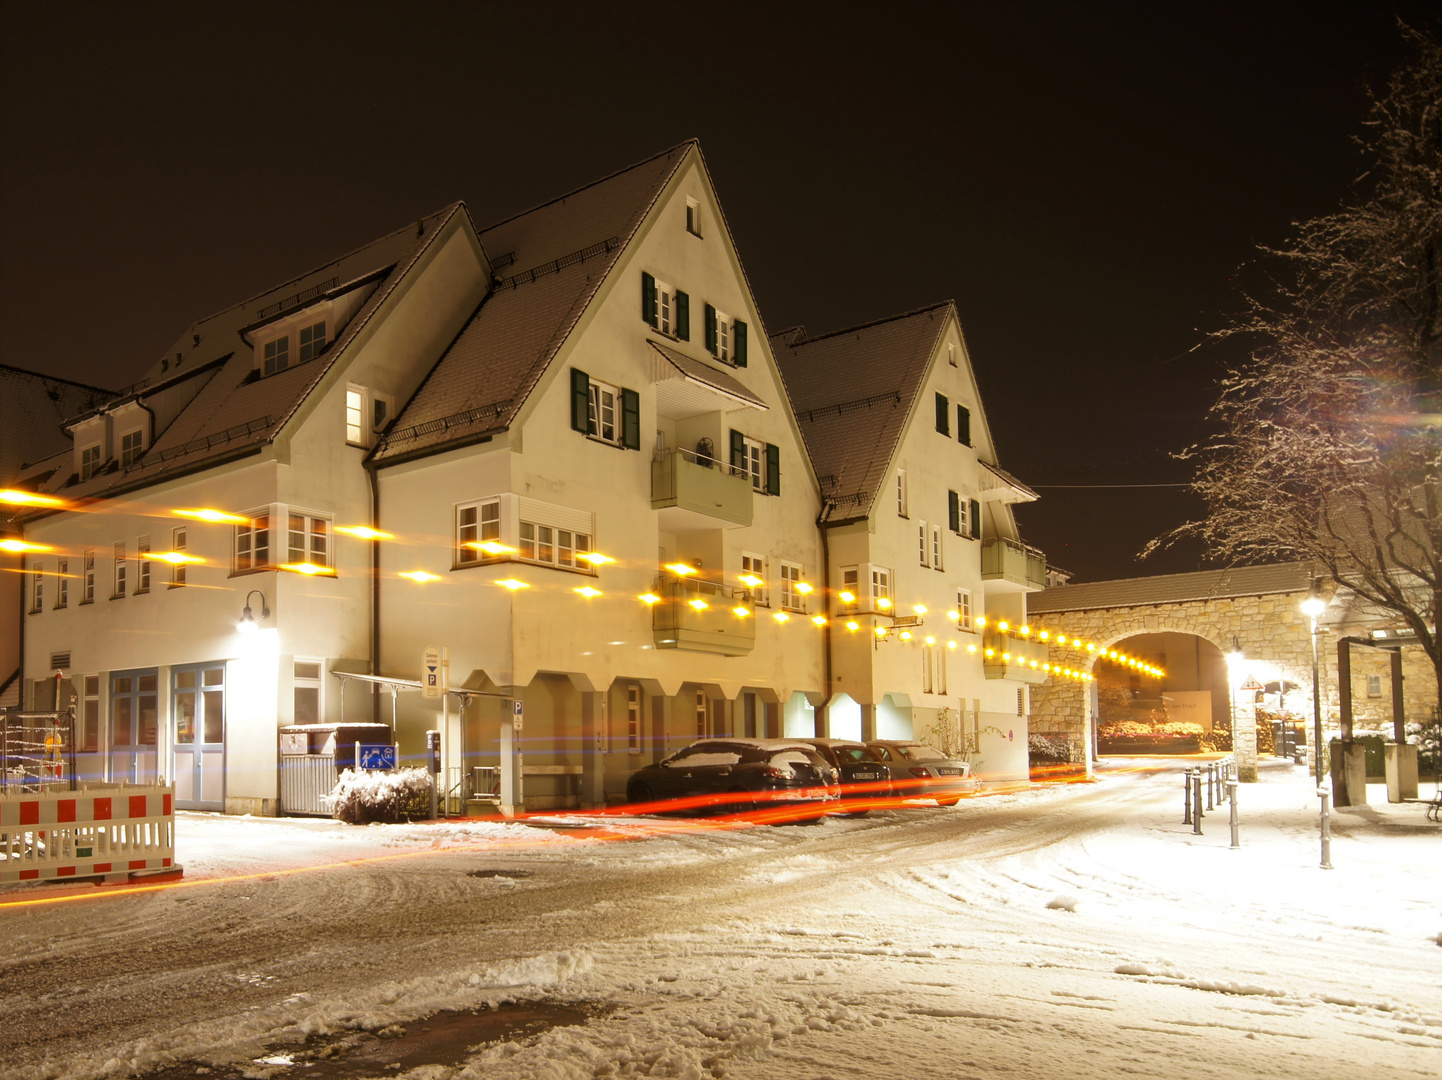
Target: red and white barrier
<point x="90" y="832"/>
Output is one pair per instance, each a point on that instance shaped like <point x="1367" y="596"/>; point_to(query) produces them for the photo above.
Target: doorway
<point x="134" y="750"/>
<point x="199" y="736"/>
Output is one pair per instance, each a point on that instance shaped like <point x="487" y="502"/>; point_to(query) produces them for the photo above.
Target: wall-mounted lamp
<point x="247" y="623"/>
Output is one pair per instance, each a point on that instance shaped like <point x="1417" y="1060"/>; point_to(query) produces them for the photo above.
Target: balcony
<point x="693" y="492"/>
<point x="1012" y="658"/>
<point x="698" y="615"/>
<point x="1009" y="566"/>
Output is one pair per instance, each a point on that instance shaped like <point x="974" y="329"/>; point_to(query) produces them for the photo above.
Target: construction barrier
<point x="94" y="831"/>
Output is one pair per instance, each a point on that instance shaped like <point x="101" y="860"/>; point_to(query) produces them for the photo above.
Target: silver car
<point x="919" y="771"/>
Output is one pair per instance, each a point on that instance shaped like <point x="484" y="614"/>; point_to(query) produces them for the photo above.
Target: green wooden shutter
<point x="580" y="401"/>
<point x="710" y="329"/>
<point x="773" y="469"/>
<point x="963" y="425"/>
<point x="738" y="452"/>
<point x="648" y="298"/>
<point x="630" y="419"/>
<point x="943" y="414"/>
<point x="953" y="510"/>
<point x="975" y="520"/>
<point x="683" y="316"/>
<point x="738" y="346"/>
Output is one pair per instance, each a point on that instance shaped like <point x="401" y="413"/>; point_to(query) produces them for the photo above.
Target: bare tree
<point x="1329" y="434"/>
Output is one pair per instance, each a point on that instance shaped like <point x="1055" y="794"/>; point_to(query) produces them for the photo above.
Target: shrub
<point x="362" y="796"/>
<point x="1044" y="748"/>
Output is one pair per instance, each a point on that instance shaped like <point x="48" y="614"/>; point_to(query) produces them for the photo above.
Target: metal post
<point x="1197" y="809"/>
<point x="1325" y="794"/>
<point x="1187" y="798"/>
<point x="1232" y="800"/>
<point x="1211" y="782"/>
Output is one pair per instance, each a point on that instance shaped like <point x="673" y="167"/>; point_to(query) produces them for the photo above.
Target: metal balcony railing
<point x="703" y="616"/>
<point x="698" y="484"/>
<point x="1007" y="560"/>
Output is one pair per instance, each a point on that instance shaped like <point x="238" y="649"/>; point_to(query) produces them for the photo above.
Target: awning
<point x="687" y="387"/>
<point x="998" y="485"/>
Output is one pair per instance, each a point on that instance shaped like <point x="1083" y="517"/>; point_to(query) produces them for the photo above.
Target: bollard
<point x="1211" y="780"/>
<point x="1187" y="798"/>
<point x="1197" y="807"/>
<point x="1232" y="799"/>
<point x="1325" y="794"/>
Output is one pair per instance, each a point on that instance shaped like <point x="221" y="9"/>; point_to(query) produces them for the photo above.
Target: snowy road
<point x="1078" y="930"/>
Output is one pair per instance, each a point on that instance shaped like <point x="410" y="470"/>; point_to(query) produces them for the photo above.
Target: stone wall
<point x="1271" y="629"/>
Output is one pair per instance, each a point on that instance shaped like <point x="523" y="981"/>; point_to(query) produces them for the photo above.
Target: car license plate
<point x="863" y="776"/>
<point x="949" y="772"/>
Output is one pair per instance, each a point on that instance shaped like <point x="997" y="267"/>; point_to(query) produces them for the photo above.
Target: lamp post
<point x="247" y="623"/>
<point x="1235" y="658"/>
<point x="1312" y="607"/>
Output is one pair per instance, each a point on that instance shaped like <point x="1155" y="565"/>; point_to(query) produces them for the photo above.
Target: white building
<point x="926" y="571"/>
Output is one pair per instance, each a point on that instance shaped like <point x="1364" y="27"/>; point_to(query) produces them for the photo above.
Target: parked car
<point x="735" y="775"/>
<point x="921" y="771"/>
<point x="863" y="776"/>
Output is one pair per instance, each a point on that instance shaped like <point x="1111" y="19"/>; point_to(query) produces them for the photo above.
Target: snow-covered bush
<point x="1045" y="748"/>
<point x="362" y="796"/>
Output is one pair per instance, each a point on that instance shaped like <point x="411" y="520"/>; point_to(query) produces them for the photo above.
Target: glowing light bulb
<point x="216" y="517"/>
<point x="750" y="579"/>
<point x="905" y="635"/>
<point x="954" y="616"/>
<point x="930" y="640"/>
<point x="884" y="604"/>
<point x="920" y="609"/>
<point x="951" y="644"/>
<point x="1044" y="635"/>
<point x="1006" y="656"/>
<point x="587" y="591"/>
<point x="491" y="547"/>
<point x="1003" y="626"/>
<point x="11" y="497"/>
<point x="971" y="648"/>
<point x="649" y="598"/>
<point x="680" y="568"/>
<point x="741" y="611"/>
<point x="981" y="620"/>
<point x="364" y="532"/>
<point x="847" y="597"/>
<point x="512" y="583"/>
<point x="698" y="604"/>
<point x="595" y="558"/>
<point x="990" y="652"/>
<point x="781" y="616"/>
<point x="1025" y="630"/>
<point x="420" y="575"/>
<point x="819" y="620"/>
<point x="308" y="569"/>
<point x="804" y="588"/>
<point x="853" y="625"/>
<point x="1061" y="639"/>
<point x="21" y="547"/>
<point x="1033" y="663"/>
<point x="881" y="631"/>
<point x="174" y="558"/>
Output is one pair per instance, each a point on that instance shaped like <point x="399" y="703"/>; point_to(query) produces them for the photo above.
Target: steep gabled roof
<point x="852" y="391"/>
<point x="233" y="412"/>
<point x="550" y="262"/>
<point x="33" y="411"/>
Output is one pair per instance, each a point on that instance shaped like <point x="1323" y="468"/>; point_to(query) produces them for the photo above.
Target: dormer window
<point x="130" y="448"/>
<point x="89" y="462"/>
<point x="693" y="217"/>
<point x="312" y="341"/>
<point x="277" y="356"/>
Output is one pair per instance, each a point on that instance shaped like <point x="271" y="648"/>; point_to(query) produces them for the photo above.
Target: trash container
<point x="312" y="757"/>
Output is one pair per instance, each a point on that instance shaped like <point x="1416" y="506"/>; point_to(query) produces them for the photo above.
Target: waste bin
<point x="312" y="757"/>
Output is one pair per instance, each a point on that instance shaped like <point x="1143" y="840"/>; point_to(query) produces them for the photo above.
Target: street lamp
<point x="247" y="623"/>
<point x="1235" y="659"/>
<point x="1312" y="607"/>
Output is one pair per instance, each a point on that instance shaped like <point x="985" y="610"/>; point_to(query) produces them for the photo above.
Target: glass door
<point x="199" y="696"/>
<point x="134" y="729"/>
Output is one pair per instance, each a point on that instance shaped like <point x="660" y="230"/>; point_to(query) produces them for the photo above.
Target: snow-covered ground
<point x="1078" y="930"/>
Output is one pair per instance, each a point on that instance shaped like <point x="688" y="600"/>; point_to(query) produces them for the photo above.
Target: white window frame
<point x="665" y="308"/>
<point x="62" y="583"/>
<point x="477" y="522"/>
<point x="633" y="718"/>
<point x="597" y="409"/>
<point x="792" y="598"/>
<point x="316" y="538"/>
<point x="306" y="682"/>
<point x="901" y="493"/>
<point x="963" y="514"/>
<point x="851" y="582"/>
<point x="951" y="355"/>
<point x="923" y="543"/>
<point x="936" y="549"/>
<point x="87" y="587"/>
<point x="122" y="573"/>
<point x="275" y="356"/>
<point x="1374" y="681"/>
<point x="755" y="451"/>
<point x="928" y="654"/>
<point x="693" y="217"/>
<point x="89" y="461"/>
<point x="132" y="445"/>
<point x="178" y="540"/>
<point x="964" y="620"/>
<point x="356" y="428"/>
<point x="316" y="345"/>
<point x="755" y="565"/>
<point x="724" y="336"/>
<point x="89" y="718"/>
<point x="142" y="565"/>
<point x="881" y="583"/>
<point x="245" y="557"/>
<point x="703" y="715"/>
<point x="37" y="589"/>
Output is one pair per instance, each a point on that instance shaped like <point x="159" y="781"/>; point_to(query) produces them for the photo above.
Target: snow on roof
<point x="33" y="410"/>
<point x="852" y="391"/>
<point x="1173" y="588"/>
<point x="564" y="248"/>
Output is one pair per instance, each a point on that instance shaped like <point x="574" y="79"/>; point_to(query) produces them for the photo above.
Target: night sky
<point x="1082" y="179"/>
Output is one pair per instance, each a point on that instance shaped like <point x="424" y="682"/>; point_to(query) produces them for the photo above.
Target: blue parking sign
<point x="377" y="756"/>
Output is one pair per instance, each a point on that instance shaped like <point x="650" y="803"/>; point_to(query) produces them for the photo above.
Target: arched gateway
<point x="1179" y="622"/>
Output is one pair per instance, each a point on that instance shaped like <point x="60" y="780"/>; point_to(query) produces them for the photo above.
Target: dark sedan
<point x="736" y="775"/>
<point x="921" y="771"/>
<point x="863" y="776"/>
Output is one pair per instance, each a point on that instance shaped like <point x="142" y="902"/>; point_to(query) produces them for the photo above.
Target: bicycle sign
<point x="376" y="756"/>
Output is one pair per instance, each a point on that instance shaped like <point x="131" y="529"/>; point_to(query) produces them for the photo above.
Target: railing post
<point x="1187" y="798"/>
<point x="1211" y="782"/>
<point x="1325" y="794"/>
<point x="1197" y="809"/>
<point x="1232" y="799"/>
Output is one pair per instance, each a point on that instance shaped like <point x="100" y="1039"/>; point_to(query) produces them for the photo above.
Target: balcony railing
<point x="701" y="616"/>
<point x="1016" y="564"/>
<point x="1007" y="657"/>
<point x="699" y="492"/>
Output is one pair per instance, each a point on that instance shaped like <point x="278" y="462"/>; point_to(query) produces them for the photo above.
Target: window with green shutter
<point x="683" y="316"/>
<point x="963" y="425"/>
<point x="738" y="452"/>
<point x="648" y="298"/>
<point x="738" y="343"/>
<point x="580" y="401"/>
<point x="773" y="469"/>
<point x="630" y="419"/>
<point x="710" y="329"/>
<point x="975" y="520"/>
<point x="953" y="511"/>
<point x="943" y="414"/>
